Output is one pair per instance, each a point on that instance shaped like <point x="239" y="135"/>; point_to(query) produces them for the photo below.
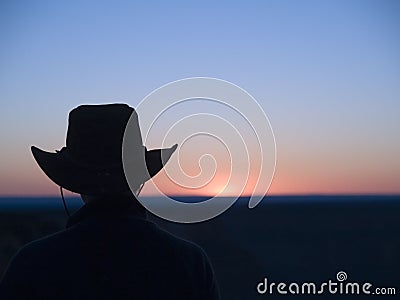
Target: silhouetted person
<point x="109" y="250"/>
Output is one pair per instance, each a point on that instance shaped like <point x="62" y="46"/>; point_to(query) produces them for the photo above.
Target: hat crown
<point x="95" y="133"/>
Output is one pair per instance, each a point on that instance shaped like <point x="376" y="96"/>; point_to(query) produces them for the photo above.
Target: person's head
<point x="91" y="162"/>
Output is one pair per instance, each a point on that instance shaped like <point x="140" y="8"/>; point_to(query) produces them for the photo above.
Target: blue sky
<point x="327" y="73"/>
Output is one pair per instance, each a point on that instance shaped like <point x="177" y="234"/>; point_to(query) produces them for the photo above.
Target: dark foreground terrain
<point x="285" y="239"/>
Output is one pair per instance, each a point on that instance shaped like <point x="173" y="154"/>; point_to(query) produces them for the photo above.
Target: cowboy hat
<point x="91" y="162"/>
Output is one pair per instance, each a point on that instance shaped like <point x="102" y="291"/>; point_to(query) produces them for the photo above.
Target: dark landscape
<point x="285" y="238"/>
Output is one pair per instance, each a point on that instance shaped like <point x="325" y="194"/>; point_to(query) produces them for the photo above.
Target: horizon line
<point x="222" y="196"/>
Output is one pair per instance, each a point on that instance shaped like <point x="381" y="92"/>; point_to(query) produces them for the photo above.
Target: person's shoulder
<point x="37" y="248"/>
<point x="179" y="244"/>
<point x="31" y="255"/>
<point x="197" y="264"/>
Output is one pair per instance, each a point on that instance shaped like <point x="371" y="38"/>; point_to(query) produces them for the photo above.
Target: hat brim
<point x="85" y="180"/>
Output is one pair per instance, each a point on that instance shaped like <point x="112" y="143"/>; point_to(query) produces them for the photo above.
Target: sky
<point x="326" y="73"/>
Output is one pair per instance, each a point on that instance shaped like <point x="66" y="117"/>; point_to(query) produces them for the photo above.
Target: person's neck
<point x="110" y="205"/>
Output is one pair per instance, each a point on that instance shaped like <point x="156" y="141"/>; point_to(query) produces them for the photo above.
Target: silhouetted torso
<point x="110" y="253"/>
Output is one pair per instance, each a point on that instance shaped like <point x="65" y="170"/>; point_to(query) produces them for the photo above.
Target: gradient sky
<point x="327" y="73"/>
